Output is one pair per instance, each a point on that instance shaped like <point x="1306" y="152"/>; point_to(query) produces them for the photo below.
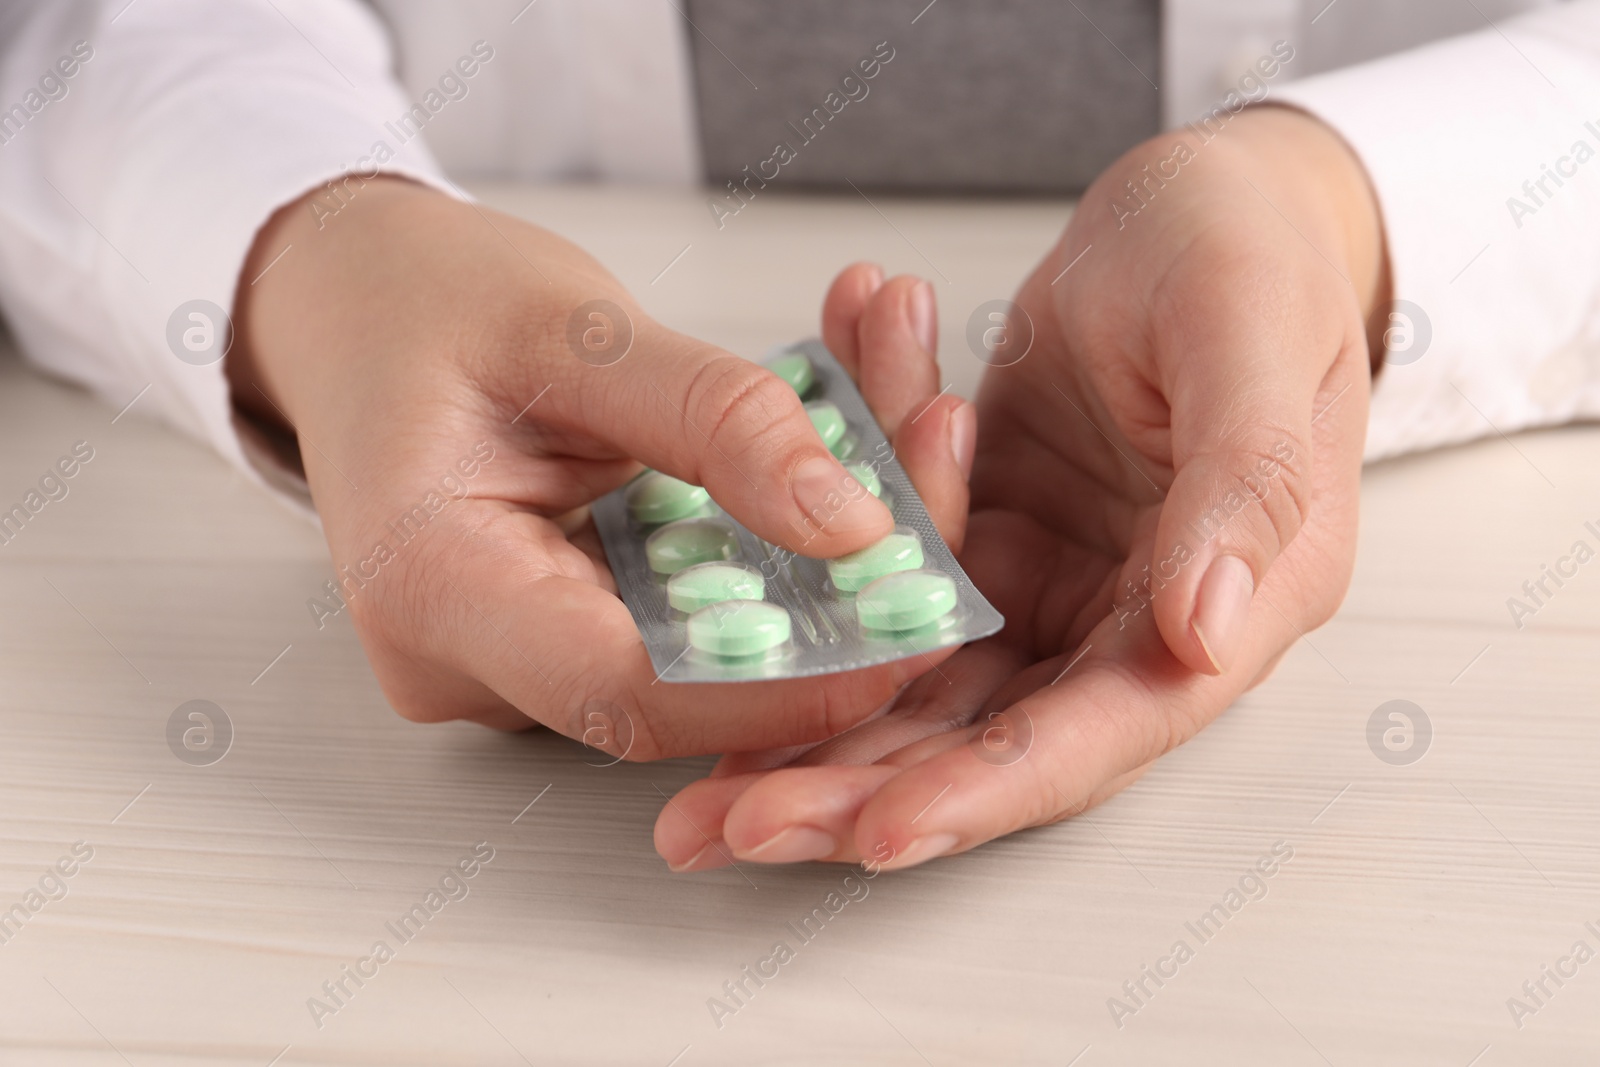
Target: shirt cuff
<point x="1482" y="152"/>
<point x="217" y="115"/>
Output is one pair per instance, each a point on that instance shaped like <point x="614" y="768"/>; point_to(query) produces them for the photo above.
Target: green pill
<point x="906" y="600"/>
<point x="739" y="628"/>
<point x="683" y="544"/>
<point x="863" y="473"/>
<point x="795" y="368"/>
<point x="900" y="551"/>
<point x="704" y="584"/>
<point x="828" y="420"/>
<point x="654" y="497"/>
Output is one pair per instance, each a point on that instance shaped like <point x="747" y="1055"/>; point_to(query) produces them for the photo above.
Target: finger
<point x="897" y="341"/>
<point x="516" y="616"/>
<point x="893" y="363"/>
<point x="842" y="307"/>
<point x="1039" y="583"/>
<point x="1242" y="455"/>
<point x="1095" y="722"/>
<point x="814" y="812"/>
<point x="1091" y="728"/>
<point x="808" y="811"/>
<point x="722" y="422"/>
<point x="688" y="831"/>
<point x="785" y="816"/>
<point x="768" y="759"/>
<point x="935" y="703"/>
<point x="1124" y="703"/>
<point x="802" y="813"/>
<point x="935" y="448"/>
<point x="934" y="436"/>
<point x="929" y="718"/>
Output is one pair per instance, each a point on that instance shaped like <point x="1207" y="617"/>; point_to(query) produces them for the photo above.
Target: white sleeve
<point x="1485" y="154"/>
<point x="142" y="147"/>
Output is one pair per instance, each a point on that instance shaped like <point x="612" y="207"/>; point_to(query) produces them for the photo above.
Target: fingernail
<point x="715" y="854"/>
<point x="919" y="312"/>
<point x="922" y="848"/>
<point x="820" y="488"/>
<point x="1222" y="608"/>
<point x="874" y="278"/>
<point x="964" y="436"/>
<point x="795" y="844"/>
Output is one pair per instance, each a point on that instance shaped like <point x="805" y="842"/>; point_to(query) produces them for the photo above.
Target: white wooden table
<point x="219" y="898"/>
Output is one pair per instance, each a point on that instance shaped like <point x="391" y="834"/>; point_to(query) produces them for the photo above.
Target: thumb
<point x="716" y="420"/>
<point x="1239" y="495"/>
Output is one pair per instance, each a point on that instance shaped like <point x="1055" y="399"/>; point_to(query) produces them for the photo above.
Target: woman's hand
<point x="462" y="384"/>
<point x="1165" y="498"/>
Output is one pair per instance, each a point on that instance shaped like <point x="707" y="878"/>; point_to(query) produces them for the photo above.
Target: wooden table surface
<point x="216" y="900"/>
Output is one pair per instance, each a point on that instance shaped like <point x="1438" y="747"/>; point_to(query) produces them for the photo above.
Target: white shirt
<point x="1454" y="136"/>
<point x="136" y="184"/>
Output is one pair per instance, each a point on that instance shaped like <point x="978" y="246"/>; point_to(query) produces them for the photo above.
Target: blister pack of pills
<point x="715" y="603"/>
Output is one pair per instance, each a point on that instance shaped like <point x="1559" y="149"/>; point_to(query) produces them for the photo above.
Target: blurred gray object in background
<point x="984" y="95"/>
<point x="1011" y="95"/>
<point x="997" y="96"/>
